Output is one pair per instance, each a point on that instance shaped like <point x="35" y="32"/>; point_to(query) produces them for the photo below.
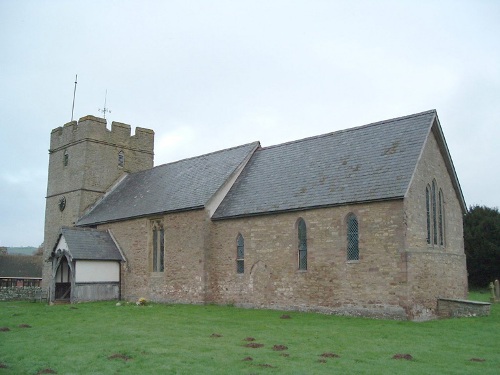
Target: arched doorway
<point x="62" y="276"/>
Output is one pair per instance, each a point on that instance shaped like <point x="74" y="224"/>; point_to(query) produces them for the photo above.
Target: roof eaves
<point x="151" y="214"/>
<point x="313" y="207"/>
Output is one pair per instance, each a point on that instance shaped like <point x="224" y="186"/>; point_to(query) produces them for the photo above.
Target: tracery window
<point x="435" y="215"/>
<point x="240" y="254"/>
<point x="158" y="247"/>
<point x="302" y="246"/>
<point x="352" y="238"/>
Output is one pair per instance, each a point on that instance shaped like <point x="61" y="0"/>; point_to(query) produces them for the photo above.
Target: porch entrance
<point x="62" y="291"/>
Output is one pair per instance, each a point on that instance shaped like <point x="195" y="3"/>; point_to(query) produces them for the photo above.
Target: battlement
<point x="91" y="128"/>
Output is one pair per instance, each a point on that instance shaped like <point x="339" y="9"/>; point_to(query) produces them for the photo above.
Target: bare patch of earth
<point x="47" y="371"/>
<point x="254" y="345"/>
<point x="329" y="355"/>
<point x="120" y="356"/>
<point x="408" y="357"/>
<point x="280" y="347"/>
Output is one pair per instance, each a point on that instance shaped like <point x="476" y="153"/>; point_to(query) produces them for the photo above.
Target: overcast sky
<point x="207" y="75"/>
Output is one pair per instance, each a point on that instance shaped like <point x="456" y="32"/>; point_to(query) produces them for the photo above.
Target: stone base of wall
<point x="19" y="294"/>
<point x="458" y="308"/>
<point x="375" y="311"/>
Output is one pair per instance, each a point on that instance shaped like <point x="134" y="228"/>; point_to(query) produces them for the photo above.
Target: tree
<point x="3" y="250"/>
<point x="39" y="250"/>
<point x="482" y="245"/>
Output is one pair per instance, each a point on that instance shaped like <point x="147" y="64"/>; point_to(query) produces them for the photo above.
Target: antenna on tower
<point x="74" y="95"/>
<point x="104" y="110"/>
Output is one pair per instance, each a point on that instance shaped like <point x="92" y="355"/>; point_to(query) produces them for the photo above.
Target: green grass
<point x="178" y="339"/>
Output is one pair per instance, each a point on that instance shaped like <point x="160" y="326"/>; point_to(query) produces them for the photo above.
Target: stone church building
<point x="363" y="221"/>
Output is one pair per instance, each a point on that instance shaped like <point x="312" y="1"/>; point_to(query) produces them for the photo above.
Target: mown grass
<point x="102" y="338"/>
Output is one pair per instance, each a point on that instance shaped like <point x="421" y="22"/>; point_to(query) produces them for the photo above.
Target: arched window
<point x="302" y="251"/>
<point x="158" y="247"/>
<point x="441" y="217"/>
<point x="352" y="238"/>
<point x="121" y="159"/>
<point x="428" y="209"/>
<point x="240" y="254"/>
<point x="434" y="214"/>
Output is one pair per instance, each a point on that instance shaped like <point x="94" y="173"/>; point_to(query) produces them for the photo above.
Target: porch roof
<point x="89" y="244"/>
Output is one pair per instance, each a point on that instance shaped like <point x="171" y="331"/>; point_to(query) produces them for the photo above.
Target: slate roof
<point x="90" y="244"/>
<point x="21" y="266"/>
<point x="182" y="185"/>
<point x="367" y="163"/>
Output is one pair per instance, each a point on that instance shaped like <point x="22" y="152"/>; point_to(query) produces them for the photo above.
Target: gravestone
<point x="492" y="290"/>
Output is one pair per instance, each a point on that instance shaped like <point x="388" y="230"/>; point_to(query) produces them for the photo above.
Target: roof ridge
<point x="350" y="129"/>
<point x="204" y="155"/>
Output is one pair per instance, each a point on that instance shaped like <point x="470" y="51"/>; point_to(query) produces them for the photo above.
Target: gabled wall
<point x="433" y="271"/>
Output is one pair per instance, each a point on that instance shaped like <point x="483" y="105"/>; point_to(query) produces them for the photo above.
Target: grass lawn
<point x="102" y="338"/>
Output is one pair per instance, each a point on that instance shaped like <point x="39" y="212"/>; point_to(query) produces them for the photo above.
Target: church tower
<point x="85" y="160"/>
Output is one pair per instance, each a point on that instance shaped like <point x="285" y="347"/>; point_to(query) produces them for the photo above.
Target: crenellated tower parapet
<point x="91" y="128"/>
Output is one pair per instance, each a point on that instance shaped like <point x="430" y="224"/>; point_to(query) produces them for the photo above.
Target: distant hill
<point x="28" y="250"/>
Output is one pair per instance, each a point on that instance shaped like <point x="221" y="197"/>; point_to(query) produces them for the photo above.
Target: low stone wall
<point x="457" y="308"/>
<point x="17" y="293"/>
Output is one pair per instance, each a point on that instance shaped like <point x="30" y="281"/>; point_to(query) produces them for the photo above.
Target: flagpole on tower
<point x="74" y="95"/>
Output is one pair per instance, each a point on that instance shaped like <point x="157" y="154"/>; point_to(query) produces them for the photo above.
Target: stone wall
<point x="370" y="286"/>
<point x="457" y="308"/>
<point x="433" y="274"/>
<point x="183" y="279"/>
<point x="432" y="166"/>
<point x="16" y="294"/>
<point x="432" y="270"/>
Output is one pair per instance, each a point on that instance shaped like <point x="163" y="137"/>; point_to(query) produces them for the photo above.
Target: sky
<point x="209" y="75"/>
